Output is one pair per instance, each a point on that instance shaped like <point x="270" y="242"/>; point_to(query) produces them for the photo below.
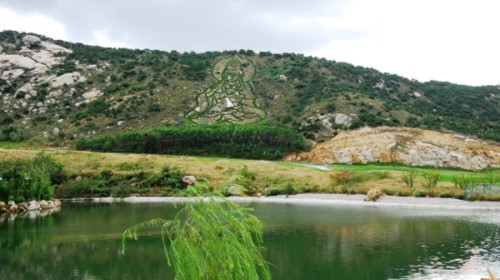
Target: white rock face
<point x="54" y="48"/>
<point x="13" y="61"/>
<point x="31" y="39"/>
<point x="28" y="87"/>
<point x="92" y="94"/>
<point x="46" y="58"/>
<point x="283" y="78"/>
<point x="328" y="120"/>
<point x="410" y="146"/>
<point x="31" y="62"/>
<point x="68" y="79"/>
<point x="11" y="74"/>
<point x="54" y="93"/>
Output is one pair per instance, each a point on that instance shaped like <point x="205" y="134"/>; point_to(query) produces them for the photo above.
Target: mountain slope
<point x="57" y="91"/>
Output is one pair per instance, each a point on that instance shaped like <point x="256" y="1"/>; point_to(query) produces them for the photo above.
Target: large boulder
<point x="67" y="79"/>
<point x="410" y="146"/>
<point x="374" y="195"/>
<point x="57" y="202"/>
<point x="3" y="206"/>
<point x="236" y="190"/>
<point x="33" y="206"/>
<point x="13" y="208"/>
<point x="93" y="94"/>
<point x="44" y="204"/>
<point x="189" y="180"/>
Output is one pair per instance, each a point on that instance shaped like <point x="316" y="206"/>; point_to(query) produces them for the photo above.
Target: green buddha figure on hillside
<point x="230" y="98"/>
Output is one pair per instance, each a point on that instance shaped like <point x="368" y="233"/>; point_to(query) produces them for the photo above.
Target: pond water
<point x="82" y="241"/>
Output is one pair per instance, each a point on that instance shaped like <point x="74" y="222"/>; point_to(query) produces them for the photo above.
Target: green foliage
<point x="23" y="180"/>
<point x="313" y="86"/>
<point x="210" y="240"/>
<point x="194" y="66"/>
<point x="462" y="181"/>
<point x="226" y="140"/>
<point x="430" y="179"/>
<point x="13" y="133"/>
<point x="169" y="180"/>
<point x="247" y="173"/>
<point x="409" y="178"/>
<point x="93" y="186"/>
<point x="154" y="107"/>
<point x="98" y="106"/>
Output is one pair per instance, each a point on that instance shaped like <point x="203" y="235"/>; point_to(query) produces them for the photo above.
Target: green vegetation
<point x="23" y="180"/>
<point x="167" y="182"/>
<point x="210" y="240"/>
<point x="409" y="178"/>
<point x="225" y="140"/>
<point x="430" y="179"/>
<point x="145" y="88"/>
<point x="90" y="174"/>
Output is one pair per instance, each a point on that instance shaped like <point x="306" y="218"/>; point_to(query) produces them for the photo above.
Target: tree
<point x="210" y="240"/>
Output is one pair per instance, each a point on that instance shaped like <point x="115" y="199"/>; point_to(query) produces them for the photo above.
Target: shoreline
<point x="323" y="199"/>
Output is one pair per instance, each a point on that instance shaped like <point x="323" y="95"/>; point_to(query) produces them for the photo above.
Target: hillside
<point x="56" y="91"/>
<point x="409" y="146"/>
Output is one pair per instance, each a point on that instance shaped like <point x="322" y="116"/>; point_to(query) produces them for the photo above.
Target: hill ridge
<point x="53" y="90"/>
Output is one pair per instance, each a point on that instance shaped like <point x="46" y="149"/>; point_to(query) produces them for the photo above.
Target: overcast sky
<point x="445" y="40"/>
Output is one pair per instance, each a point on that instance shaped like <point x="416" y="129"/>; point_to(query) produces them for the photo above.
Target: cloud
<point x="192" y="25"/>
<point x="426" y="40"/>
<point x="35" y="23"/>
<point x="451" y="40"/>
<point x="101" y="39"/>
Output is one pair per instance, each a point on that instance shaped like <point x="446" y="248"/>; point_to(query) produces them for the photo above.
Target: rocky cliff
<point x="410" y="146"/>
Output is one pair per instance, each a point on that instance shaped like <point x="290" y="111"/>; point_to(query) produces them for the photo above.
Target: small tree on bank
<point x="210" y="240"/>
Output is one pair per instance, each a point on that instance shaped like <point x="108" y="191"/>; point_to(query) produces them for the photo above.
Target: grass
<point x="19" y="145"/>
<point x="268" y="177"/>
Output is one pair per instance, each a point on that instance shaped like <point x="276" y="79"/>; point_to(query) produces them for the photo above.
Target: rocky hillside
<point x="58" y="91"/>
<point x="409" y="146"/>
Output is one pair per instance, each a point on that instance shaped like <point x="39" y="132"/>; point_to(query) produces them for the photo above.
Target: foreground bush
<point x="225" y="140"/>
<point x="22" y="180"/>
<point x="166" y="182"/>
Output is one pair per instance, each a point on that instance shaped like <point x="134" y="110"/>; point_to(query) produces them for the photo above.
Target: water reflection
<point x="28" y="214"/>
<point x="354" y="243"/>
<point x="303" y="242"/>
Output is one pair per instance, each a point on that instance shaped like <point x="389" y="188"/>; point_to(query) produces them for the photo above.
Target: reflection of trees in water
<point x="86" y="260"/>
<point x="302" y="242"/>
<point x="378" y="248"/>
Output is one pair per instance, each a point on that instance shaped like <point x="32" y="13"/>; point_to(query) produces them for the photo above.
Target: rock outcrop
<point x="331" y="121"/>
<point x="410" y="146"/>
<point x="33" y="205"/>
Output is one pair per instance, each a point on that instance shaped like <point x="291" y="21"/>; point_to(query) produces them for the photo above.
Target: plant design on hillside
<point x="230" y="97"/>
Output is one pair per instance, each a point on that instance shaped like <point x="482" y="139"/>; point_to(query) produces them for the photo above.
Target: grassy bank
<point x="103" y="174"/>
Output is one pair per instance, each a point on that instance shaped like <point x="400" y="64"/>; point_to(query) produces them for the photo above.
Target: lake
<point x="82" y="241"/>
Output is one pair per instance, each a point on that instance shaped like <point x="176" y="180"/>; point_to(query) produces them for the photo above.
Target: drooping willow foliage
<point x="225" y="140"/>
<point x="208" y="239"/>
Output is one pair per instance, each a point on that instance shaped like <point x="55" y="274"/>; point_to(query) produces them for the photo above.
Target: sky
<point x="445" y="40"/>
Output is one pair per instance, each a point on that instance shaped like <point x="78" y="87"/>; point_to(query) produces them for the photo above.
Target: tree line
<point x="225" y="140"/>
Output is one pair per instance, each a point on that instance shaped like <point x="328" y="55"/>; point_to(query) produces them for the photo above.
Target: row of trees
<point x="226" y="140"/>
